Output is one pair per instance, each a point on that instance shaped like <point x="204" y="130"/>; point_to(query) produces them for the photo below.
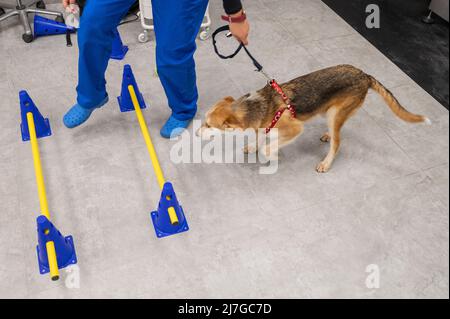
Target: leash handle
<point x="220" y="30"/>
<point x="225" y="28"/>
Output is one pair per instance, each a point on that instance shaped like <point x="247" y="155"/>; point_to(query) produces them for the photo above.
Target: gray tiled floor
<point x="385" y="201"/>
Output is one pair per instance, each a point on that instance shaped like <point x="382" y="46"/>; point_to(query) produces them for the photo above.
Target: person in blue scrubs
<point x="176" y="24"/>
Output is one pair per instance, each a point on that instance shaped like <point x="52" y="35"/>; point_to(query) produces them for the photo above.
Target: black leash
<point x="271" y="81"/>
<point x="226" y="28"/>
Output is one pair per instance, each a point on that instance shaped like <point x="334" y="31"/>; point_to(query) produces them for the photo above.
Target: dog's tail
<point x="394" y="105"/>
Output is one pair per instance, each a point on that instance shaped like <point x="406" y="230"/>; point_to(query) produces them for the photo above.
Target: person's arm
<point x="240" y="30"/>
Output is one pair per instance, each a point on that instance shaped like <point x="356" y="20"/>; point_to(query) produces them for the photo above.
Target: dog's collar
<point x="280" y="111"/>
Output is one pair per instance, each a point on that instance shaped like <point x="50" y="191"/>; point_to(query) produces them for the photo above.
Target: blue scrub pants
<point x="176" y="22"/>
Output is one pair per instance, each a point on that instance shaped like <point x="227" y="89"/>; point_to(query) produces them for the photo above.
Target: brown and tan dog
<point x="338" y="92"/>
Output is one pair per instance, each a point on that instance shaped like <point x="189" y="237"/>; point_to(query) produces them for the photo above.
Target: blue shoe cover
<point x="77" y="115"/>
<point x="174" y="127"/>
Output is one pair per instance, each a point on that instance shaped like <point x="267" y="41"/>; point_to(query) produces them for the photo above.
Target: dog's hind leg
<point x="337" y="116"/>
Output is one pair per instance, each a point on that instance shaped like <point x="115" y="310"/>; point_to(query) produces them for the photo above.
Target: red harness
<point x="280" y="112"/>
<point x="259" y="68"/>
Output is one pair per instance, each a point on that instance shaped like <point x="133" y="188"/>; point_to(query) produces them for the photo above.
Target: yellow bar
<point x="147" y="138"/>
<point x="37" y="166"/>
<point x="52" y="261"/>
<point x="151" y="150"/>
<point x="51" y="253"/>
<point x="173" y="216"/>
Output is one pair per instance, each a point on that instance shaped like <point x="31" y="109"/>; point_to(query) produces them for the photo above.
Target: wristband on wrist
<point x="237" y="19"/>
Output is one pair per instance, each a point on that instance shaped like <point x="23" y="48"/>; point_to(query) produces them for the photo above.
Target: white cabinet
<point x="440" y="7"/>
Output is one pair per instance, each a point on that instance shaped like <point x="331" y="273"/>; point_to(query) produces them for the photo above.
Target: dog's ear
<point x="229" y="99"/>
<point x="232" y="121"/>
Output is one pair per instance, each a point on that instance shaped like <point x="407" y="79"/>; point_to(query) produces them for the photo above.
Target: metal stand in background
<point x="22" y="12"/>
<point x="429" y="18"/>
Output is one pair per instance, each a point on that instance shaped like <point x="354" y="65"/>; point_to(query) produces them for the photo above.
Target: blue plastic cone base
<point x="42" y="124"/>
<point x="160" y="233"/>
<point x="118" y="49"/>
<point x="43" y="267"/>
<point x="125" y="103"/>
<point x="64" y="246"/>
<point x="44" y="26"/>
<point x="160" y="218"/>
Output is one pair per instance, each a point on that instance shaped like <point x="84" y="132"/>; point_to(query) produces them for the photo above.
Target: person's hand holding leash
<point x="239" y="26"/>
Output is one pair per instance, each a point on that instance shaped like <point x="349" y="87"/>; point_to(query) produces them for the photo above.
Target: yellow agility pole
<point x="51" y="252"/>
<point x="169" y="218"/>
<point x="151" y="150"/>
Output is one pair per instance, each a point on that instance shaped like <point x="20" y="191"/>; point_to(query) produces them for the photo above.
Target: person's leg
<point x="95" y="37"/>
<point x="177" y="23"/>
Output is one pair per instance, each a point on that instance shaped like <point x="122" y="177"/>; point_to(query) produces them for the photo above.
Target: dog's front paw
<point x="323" y="167"/>
<point x="325" y="138"/>
<point x="250" y="149"/>
<point x="271" y="155"/>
